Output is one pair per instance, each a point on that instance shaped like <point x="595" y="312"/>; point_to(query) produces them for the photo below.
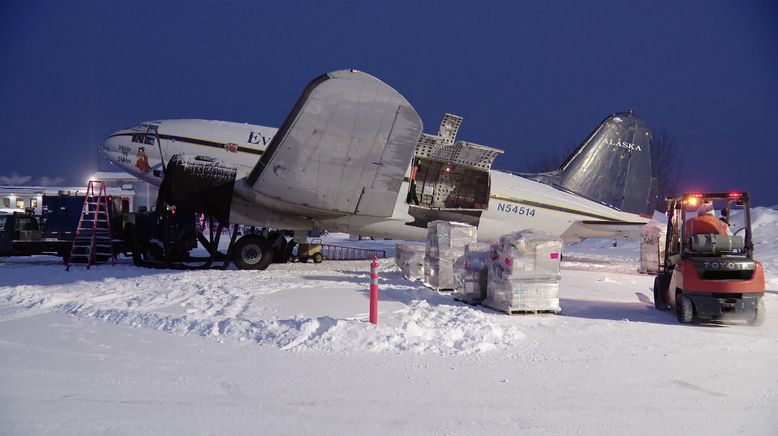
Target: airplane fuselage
<point x="514" y="202"/>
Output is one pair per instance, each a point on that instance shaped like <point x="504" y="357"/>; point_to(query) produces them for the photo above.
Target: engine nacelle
<point x="199" y="184"/>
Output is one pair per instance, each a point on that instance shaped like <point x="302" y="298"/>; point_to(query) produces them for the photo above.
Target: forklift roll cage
<point x="679" y="243"/>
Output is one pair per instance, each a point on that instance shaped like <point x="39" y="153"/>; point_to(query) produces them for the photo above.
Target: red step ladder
<point x="93" y="240"/>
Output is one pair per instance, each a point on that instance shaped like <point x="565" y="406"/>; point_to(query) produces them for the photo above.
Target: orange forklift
<point x="710" y="276"/>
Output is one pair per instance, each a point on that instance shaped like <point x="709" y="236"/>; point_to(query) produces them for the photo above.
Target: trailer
<point x="51" y="233"/>
<point x="20" y="235"/>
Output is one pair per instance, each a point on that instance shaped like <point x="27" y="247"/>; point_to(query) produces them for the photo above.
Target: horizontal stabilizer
<point x="606" y="229"/>
<point x="613" y="223"/>
<point x="343" y="149"/>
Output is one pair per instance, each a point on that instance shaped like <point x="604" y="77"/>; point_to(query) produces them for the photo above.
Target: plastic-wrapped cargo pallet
<point x="652" y="247"/>
<point x="524" y="273"/>
<point x="410" y="259"/>
<point x="470" y="272"/>
<point x="446" y="242"/>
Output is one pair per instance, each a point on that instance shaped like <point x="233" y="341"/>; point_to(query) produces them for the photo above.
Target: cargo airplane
<point x="351" y="157"/>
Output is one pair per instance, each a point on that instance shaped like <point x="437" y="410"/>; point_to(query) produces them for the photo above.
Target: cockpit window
<point x="147" y="134"/>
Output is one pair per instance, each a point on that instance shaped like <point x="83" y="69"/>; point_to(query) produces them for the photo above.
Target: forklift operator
<point x="705" y="222"/>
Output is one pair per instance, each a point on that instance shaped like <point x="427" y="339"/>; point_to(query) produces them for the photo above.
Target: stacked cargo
<point x="470" y="272"/>
<point x="410" y="259"/>
<point x="524" y="273"/>
<point x="652" y="247"/>
<point x="446" y="243"/>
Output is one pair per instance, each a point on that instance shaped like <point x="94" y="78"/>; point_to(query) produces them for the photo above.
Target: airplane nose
<point x="113" y="149"/>
<point x="110" y="143"/>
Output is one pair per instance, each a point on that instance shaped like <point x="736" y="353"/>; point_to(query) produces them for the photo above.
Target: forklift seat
<point x="712" y="243"/>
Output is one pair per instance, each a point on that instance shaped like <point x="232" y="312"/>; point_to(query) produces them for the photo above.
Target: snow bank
<point x="764" y="226"/>
<point x="421" y="328"/>
<point x="233" y="304"/>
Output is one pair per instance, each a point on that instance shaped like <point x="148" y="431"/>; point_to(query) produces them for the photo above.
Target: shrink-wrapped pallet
<point x="410" y="260"/>
<point x="652" y="247"/>
<point x="446" y="242"/>
<point x="523" y="295"/>
<point x="471" y="272"/>
<point x="524" y="273"/>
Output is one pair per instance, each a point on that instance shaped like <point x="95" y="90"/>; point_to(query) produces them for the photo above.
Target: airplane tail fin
<point x="613" y="165"/>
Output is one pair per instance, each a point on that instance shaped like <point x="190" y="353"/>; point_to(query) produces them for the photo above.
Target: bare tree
<point x="666" y="165"/>
<point x="550" y="160"/>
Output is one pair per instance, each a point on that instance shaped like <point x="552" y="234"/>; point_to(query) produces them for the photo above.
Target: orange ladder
<point x="93" y="240"/>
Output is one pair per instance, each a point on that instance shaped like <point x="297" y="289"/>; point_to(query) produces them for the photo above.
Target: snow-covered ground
<point x="123" y="350"/>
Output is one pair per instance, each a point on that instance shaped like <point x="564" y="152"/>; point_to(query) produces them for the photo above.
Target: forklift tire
<point x="317" y="257"/>
<point x="684" y="308"/>
<point x="303" y="259"/>
<point x="759" y="314"/>
<point x="660" y="302"/>
<point x="252" y="252"/>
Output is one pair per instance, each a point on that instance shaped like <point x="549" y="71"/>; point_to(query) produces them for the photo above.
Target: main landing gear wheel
<point x="684" y="308"/>
<point x="759" y="312"/>
<point x="252" y="252"/>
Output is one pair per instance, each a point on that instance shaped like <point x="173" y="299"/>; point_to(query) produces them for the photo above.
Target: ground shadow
<point x="50" y="270"/>
<point x="615" y="310"/>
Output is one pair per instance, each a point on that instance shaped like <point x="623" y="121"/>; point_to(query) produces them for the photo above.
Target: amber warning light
<point x="693" y="199"/>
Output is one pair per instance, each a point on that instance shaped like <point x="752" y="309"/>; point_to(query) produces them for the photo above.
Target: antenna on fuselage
<point x="155" y="130"/>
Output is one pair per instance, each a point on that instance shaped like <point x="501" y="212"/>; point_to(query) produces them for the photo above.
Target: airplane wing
<point x="343" y="149"/>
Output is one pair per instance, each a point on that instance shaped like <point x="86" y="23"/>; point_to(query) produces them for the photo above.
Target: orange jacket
<point x="414" y="169"/>
<point x="704" y="224"/>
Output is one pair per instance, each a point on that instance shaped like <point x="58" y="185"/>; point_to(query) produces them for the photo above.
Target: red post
<point x="374" y="291"/>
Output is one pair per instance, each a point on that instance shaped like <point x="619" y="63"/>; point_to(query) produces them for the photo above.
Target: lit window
<point x="20" y="203"/>
<point x="33" y="203"/>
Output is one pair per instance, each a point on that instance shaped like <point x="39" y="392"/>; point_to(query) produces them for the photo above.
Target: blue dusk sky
<point x="533" y="78"/>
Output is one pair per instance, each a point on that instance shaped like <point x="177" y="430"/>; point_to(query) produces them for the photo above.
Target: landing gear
<point x="252" y="252"/>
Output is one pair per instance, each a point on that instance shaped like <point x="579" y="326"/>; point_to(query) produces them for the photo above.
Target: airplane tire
<point x="252" y="252"/>
<point x="279" y="251"/>
<point x="317" y="257"/>
<point x="684" y="308"/>
<point x="759" y="314"/>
